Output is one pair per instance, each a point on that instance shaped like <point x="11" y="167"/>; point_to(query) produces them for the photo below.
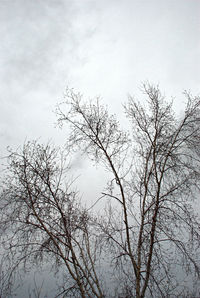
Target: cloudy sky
<point x="102" y="48"/>
<point x="98" y="47"/>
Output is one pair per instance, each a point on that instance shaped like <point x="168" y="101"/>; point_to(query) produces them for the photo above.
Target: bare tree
<point x="147" y="237"/>
<point x="153" y="232"/>
<point x="42" y="220"/>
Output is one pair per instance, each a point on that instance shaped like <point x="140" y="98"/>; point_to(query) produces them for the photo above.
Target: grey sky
<point x="98" y="47"/>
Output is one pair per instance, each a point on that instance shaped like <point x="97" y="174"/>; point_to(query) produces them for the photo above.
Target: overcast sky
<point x="104" y="47"/>
<point x="98" y="47"/>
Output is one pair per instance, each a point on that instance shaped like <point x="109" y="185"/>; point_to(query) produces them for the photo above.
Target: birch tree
<point x="154" y="233"/>
<point x="148" y="232"/>
<point x="42" y="220"/>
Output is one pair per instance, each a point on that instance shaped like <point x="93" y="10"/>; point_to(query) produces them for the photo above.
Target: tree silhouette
<point x="149" y="230"/>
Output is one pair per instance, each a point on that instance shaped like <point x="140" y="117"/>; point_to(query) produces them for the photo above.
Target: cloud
<point x="98" y="47"/>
